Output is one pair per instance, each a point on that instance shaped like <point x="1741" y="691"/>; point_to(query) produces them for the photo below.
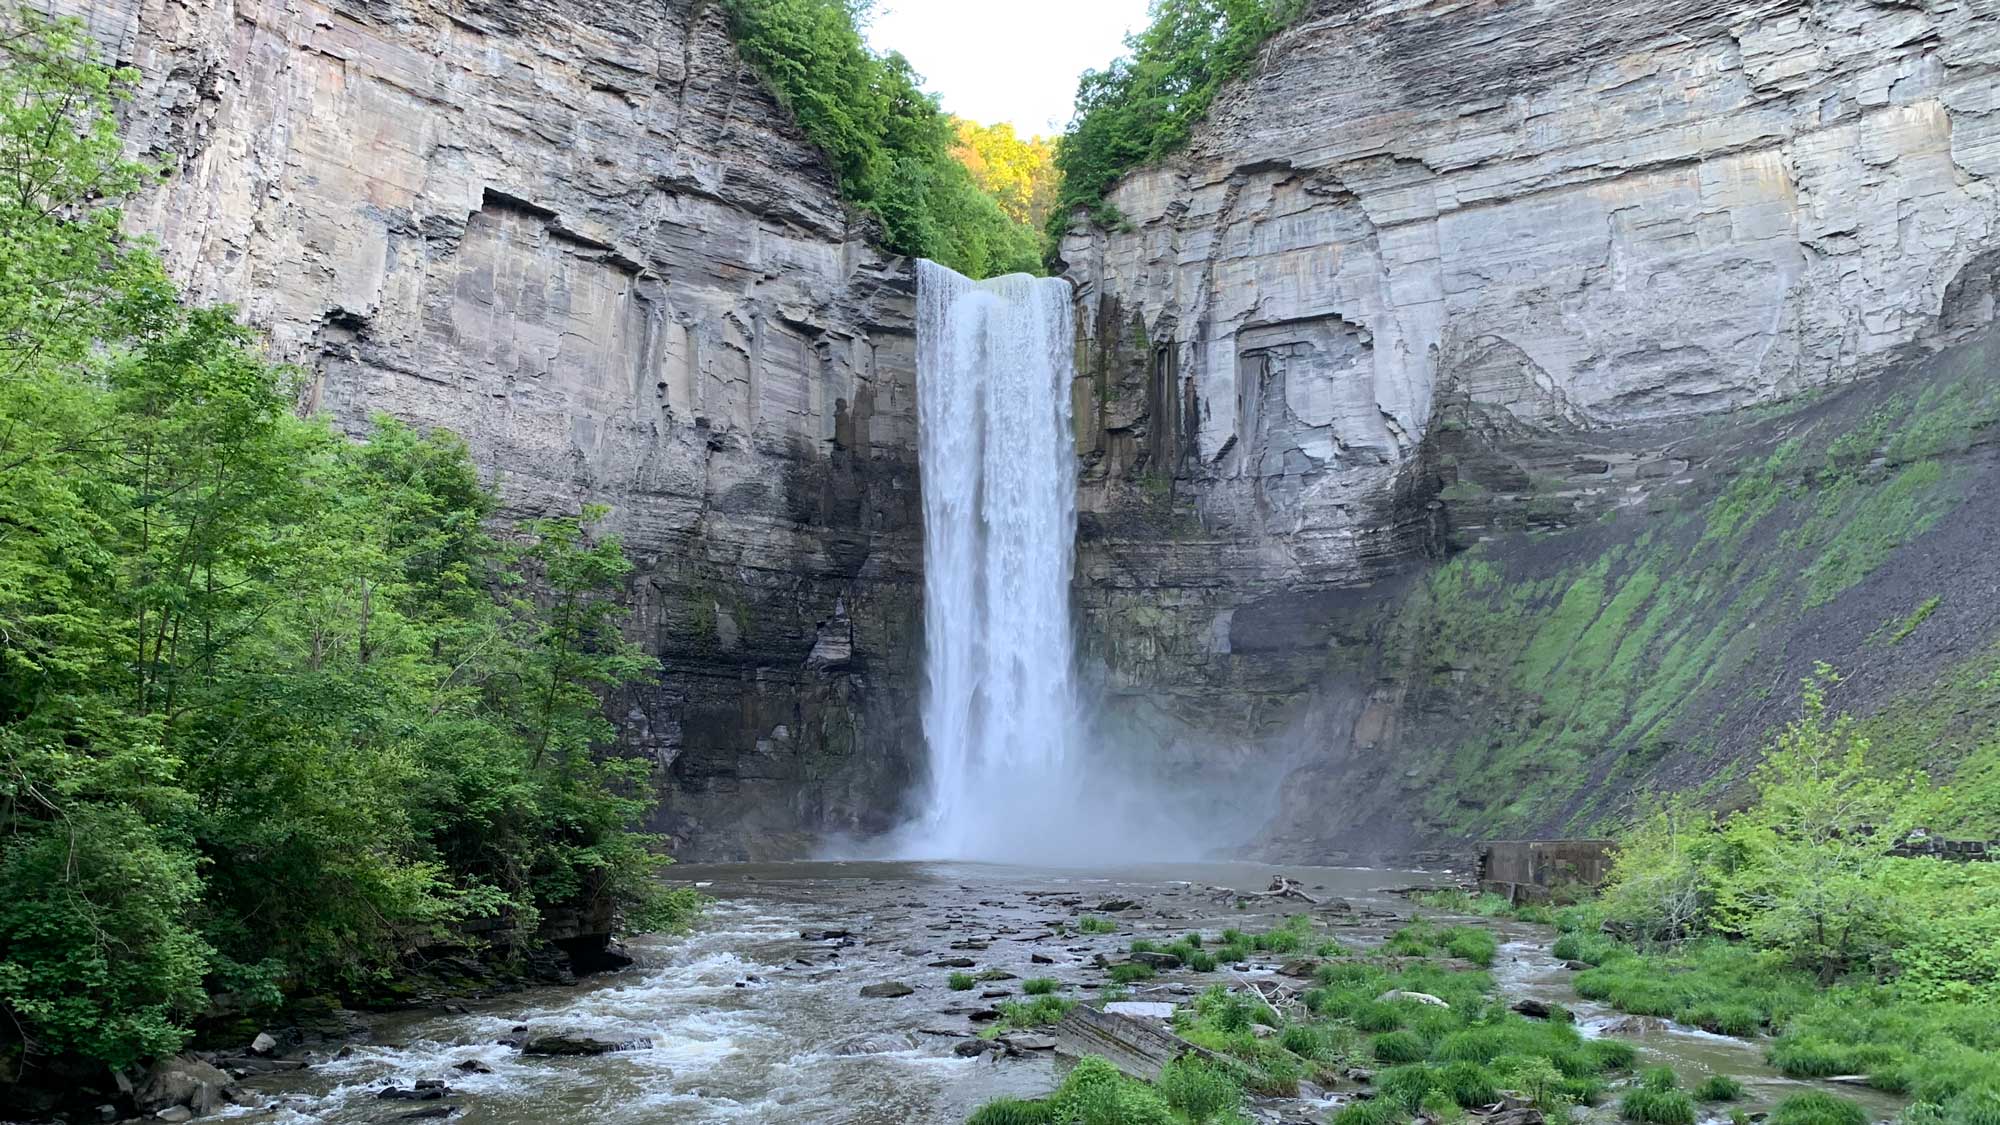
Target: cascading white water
<point x="994" y="362"/>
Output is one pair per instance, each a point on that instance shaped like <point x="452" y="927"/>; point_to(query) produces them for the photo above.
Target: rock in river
<point x="570" y="1046"/>
<point x="886" y="990"/>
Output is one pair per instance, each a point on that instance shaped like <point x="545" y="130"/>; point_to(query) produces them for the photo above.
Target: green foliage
<point x="1201" y="1091"/>
<point x="1095" y="1093"/>
<point x="1131" y="972"/>
<point x="889" y="143"/>
<point x="1039" y="1011"/>
<point x="1040" y="986"/>
<point x="1090" y="924"/>
<point x="1398" y="1047"/>
<point x="1818" y="1108"/>
<point x="1011" y="1111"/>
<point x="960" y="982"/>
<point x="1718" y="1088"/>
<point x="1374" y="1111"/>
<point x="1655" y="1106"/>
<point x="1145" y="105"/>
<point x="273" y="705"/>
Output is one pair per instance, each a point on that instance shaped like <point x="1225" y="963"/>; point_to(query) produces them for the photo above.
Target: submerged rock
<point x="573" y="1046"/>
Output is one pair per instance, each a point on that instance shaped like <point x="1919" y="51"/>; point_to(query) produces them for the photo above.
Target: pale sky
<point x="1010" y="60"/>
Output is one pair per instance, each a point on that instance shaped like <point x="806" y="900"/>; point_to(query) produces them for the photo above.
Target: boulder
<point x="885" y="990"/>
<point x="954" y="963"/>
<point x="572" y="1046"/>
<point x="174" y="1113"/>
<point x="1157" y="960"/>
<point x="183" y="1081"/>
<point x="264" y="1044"/>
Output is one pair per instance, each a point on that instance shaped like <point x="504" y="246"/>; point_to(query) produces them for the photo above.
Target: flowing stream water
<point x="994" y="362"/>
<point x="758" y="1015"/>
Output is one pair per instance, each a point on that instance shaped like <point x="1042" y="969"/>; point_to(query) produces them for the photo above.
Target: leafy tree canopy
<point x="888" y="141"/>
<point x="274" y="706"/>
<point x="1145" y="105"/>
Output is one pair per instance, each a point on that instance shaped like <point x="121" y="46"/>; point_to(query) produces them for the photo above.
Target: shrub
<point x="1130" y="972"/>
<point x="1096" y="1094"/>
<point x="1740" y="1020"/>
<point x="1468" y="1084"/>
<point x="1038" y="1012"/>
<point x="1661" y="1079"/>
<point x="1611" y="1054"/>
<point x="1657" y="1107"/>
<point x="1719" y="1088"/>
<point x="1374" y="1111"/>
<point x="1376" y="1015"/>
<point x="1090" y="924"/>
<point x="1040" y="986"/>
<point x="960" y="982"/>
<point x="1201" y="962"/>
<point x="1398" y="1047"/>
<point x="1011" y="1111"/>
<point x="1199" y="1089"/>
<point x="1407" y="1086"/>
<point x="1975" y="1106"/>
<point x="1474" y="945"/>
<point x="1815" y="1107"/>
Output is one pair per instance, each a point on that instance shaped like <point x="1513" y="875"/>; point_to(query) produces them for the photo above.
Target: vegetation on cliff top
<point x="274" y="705"/>
<point x="1146" y="104"/>
<point x="891" y="146"/>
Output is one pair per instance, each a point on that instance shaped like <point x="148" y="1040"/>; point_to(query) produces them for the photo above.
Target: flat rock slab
<point x="887" y="990"/>
<point x="1138" y="1047"/>
<point x="1141" y="1009"/>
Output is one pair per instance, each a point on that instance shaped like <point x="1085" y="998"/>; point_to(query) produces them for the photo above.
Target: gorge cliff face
<point x="582" y="235"/>
<point x="1455" y="421"/>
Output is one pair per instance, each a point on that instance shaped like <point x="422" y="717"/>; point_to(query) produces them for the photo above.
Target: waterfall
<point x="994" y="363"/>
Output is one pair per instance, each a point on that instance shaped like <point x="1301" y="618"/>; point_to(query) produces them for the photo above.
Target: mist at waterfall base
<point x="1018" y="773"/>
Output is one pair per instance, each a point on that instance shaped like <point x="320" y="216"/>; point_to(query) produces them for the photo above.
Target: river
<point x="757" y="1016"/>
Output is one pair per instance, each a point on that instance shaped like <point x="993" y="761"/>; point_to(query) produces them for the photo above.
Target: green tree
<point x="1018" y="172"/>
<point x="889" y="143"/>
<point x="1804" y="867"/>
<point x="274" y="706"/>
<point x="1145" y="105"/>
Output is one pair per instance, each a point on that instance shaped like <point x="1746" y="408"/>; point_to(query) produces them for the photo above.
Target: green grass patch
<point x="1816" y="1107"/>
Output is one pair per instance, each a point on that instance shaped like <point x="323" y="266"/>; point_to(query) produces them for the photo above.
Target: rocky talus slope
<point x="1498" y="407"/>
<point x="581" y="234"/>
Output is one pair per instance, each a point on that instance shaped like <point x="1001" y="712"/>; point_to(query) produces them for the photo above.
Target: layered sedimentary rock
<point x="581" y="234"/>
<point x="1450" y="271"/>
